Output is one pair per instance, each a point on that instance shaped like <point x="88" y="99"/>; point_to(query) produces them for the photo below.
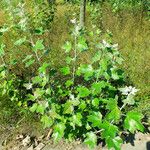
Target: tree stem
<point x="82" y="13"/>
<point x="75" y="59"/>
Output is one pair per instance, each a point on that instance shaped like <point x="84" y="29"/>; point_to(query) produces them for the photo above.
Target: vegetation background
<point x="130" y="28"/>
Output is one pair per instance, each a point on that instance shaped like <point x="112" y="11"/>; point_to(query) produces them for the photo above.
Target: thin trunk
<point x="82" y="13"/>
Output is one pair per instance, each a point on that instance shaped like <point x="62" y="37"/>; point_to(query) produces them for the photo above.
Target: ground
<point x="31" y="139"/>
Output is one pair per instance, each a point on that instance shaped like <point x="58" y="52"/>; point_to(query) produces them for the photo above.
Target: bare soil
<point x="27" y="138"/>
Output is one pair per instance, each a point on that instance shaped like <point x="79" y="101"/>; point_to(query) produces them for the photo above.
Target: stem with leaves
<point x="36" y="54"/>
<point x="75" y="58"/>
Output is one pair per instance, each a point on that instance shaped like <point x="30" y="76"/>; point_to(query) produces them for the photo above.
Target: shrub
<point x="85" y="101"/>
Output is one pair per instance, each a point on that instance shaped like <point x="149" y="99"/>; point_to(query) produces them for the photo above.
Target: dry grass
<point x="132" y="35"/>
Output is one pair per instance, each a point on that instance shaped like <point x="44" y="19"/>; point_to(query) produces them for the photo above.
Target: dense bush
<point x="85" y="101"/>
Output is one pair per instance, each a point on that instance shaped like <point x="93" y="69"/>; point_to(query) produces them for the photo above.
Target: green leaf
<point x="129" y="100"/>
<point x="114" y="73"/>
<point x="45" y="78"/>
<point x="38" y="92"/>
<point x="39" y="31"/>
<point x="97" y="56"/>
<point x="98" y="31"/>
<point x="86" y="70"/>
<point x="48" y="91"/>
<point x="40" y="109"/>
<point x="47" y="121"/>
<point x="68" y="107"/>
<point x="65" y="70"/>
<point x="68" y="60"/>
<point x="39" y="45"/>
<point x="104" y="64"/>
<point x="82" y="105"/>
<point x="31" y="97"/>
<point x="111" y="104"/>
<point x="53" y="111"/>
<point x="28" y="57"/>
<point x="20" y="41"/>
<point x="114" y="143"/>
<point x="3" y="29"/>
<point x="69" y="83"/>
<point x="114" y="115"/>
<point x="36" y="79"/>
<point x="67" y="46"/>
<point x="91" y="139"/>
<point x="132" y="122"/>
<point x="95" y="102"/>
<point x="91" y="33"/>
<point x="97" y="87"/>
<point x="28" y="86"/>
<point x="34" y="107"/>
<point x="83" y="91"/>
<point x="82" y="44"/>
<point x="88" y="127"/>
<point x="75" y="102"/>
<point x="95" y="118"/>
<point x="29" y="63"/>
<point x="76" y="120"/>
<point x="109" y="130"/>
<point x="58" y="131"/>
<point x="44" y="67"/>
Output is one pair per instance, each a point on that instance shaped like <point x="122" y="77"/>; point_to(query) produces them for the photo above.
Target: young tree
<point x="82" y="13"/>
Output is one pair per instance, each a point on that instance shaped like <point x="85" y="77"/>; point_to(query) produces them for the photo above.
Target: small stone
<point x="40" y="146"/>
<point x="26" y="141"/>
<point x="148" y="138"/>
<point x="19" y="137"/>
<point x="40" y="138"/>
<point x="35" y="142"/>
<point x="30" y="148"/>
<point x="15" y="148"/>
<point x="78" y="142"/>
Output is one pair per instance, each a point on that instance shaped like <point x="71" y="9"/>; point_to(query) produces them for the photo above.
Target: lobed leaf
<point x="39" y="45"/>
<point x="132" y="122"/>
<point x="95" y="118"/>
<point x="114" y="143"/>
<point x="58" y="133"/>
<point x="83" y="91"/>
<point x="91" y="139"/>
<point x="47" y="121"/>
